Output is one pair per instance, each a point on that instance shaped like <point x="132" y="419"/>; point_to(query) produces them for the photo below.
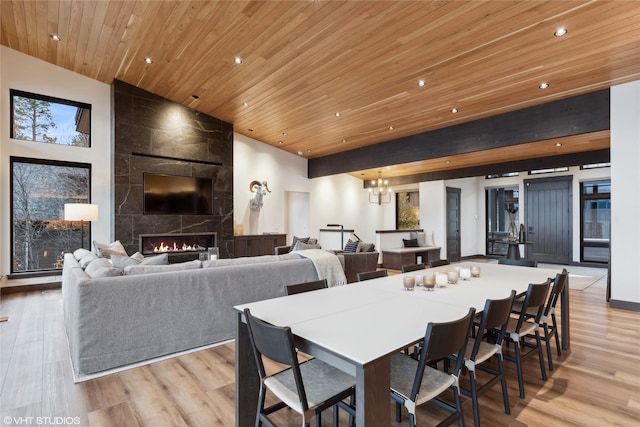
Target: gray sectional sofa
<point x="124" y="319"/>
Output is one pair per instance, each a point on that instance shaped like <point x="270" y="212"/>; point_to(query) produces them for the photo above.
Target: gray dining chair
<point x="495" y="317"/>
<point x="412" y="267"/>
<point x="523" y="331"/>
<point x="308" y="388"/>
<point x="298" y="288"/>
<point x="414" y="383"/>
<point x="371" y="274"/>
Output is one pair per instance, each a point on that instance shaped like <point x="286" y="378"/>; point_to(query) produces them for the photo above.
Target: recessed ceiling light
<point x="299" y="153"/>
<point x="391" y="128"/>
<point x="250" y="130"/>
<point x="55" y="37"/>
<point x="421" y="83"/>
<point x="284" y="134"/>
<point x="454" y="110"/>
<point x="195" y="96"/>
<point x="280" y="142"/>
<point x="338" y="114"/>
<point x="148" y="60"/>
<point x="558" y="144"/>
<point x="448" y="161"/>
<point x="560" y="32"/>
<point x="237" y="60"/>
<point x="543" y="85"/>
<point x="344" y="140"/>
<point x="245" y="104"/>
<point x="308" y="150"/>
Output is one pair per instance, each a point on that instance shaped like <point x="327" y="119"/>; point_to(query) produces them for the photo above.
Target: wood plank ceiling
<point x="305" y="61"/>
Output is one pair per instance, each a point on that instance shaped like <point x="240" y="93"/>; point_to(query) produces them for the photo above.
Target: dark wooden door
<point x="453" y="224"/>
<point x="548" y="219"/>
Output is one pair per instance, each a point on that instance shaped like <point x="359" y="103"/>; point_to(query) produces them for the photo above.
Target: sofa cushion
<point x="79" y="253"/>
<point x="86" y="259"/>
<point x="241" y="261"/>
<point x="105" y="250"/>
<point x="410" y="243"/>
<point x="150" y="269"/>
<point x="162" y="259"/>
<point x="102" y="267"/>
<point x="367" y="247"/>
<point x="123" y="261"/>
<point x="300" y="246"/>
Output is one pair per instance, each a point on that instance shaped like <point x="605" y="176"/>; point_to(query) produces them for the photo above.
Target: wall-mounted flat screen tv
<point x="177" y="195"/>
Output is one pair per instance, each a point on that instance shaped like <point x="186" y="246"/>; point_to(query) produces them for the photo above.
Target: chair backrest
<point x="520" y="262"/>
<point x="306" y="287"/>
<point x="438" y="262"/>
<point x="275" y="343"/>
<point x="442" y="340"/>
<point x="413" y="267"/>
<point x="495" y="316"/>
<point x="558" y="286"/>
<point x="371" y="274"/>
<point x="534" y="300"/>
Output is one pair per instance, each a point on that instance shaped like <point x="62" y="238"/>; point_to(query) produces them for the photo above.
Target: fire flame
<point x="175" y="248"/>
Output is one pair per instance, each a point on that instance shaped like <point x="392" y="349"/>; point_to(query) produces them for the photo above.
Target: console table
<point x="258" y="244"/>
<point x="396" y="258"/>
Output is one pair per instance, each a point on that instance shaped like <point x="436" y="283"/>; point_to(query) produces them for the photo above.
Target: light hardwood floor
<point x="596" y="383"/>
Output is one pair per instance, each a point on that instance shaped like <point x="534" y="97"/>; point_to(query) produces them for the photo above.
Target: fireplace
<point x="179" y="246"/>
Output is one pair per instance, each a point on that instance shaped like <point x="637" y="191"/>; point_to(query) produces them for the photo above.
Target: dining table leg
<point x="373" y="388"/>
<point x="247" y="378"/>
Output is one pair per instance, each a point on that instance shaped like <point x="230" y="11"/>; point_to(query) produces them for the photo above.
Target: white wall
<point x="22" y="72"/>
<point x="625" y="193"/>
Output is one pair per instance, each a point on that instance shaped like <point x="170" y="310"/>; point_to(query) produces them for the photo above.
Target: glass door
<point x="595" y="221"/>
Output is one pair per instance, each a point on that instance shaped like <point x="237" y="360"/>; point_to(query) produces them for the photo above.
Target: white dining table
<point x="357" y="327"/>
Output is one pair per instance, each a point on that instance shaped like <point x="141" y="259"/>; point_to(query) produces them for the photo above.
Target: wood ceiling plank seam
<point x="84" y="34"/>
<point x="75" y="19"/>
<point x="30" y="28"/>
<point x="60" y="13"/>
<point x="8" y="33"/>
<point x="119" y="41"/>
<point x="41" y="28"/>
<point x="98" y="35"/>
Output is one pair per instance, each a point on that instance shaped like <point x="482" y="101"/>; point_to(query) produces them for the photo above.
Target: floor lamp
<point x="80" y="212"/>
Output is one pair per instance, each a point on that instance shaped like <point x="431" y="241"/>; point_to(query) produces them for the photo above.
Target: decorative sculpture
<point x="259" y="189"/>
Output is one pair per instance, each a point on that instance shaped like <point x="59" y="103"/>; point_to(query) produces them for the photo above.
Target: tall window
<point x="407" y="210"/>
<point x="595" y="221"/>
<point x="39" y="190"/>
<point x="42" y="118"/>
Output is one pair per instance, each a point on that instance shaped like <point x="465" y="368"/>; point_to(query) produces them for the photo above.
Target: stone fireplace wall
<point x="154" y="134"/>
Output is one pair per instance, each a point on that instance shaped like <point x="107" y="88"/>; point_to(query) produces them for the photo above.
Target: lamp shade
<point x="80" y="212"/>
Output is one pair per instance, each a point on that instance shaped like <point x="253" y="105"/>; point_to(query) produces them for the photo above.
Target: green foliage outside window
<point x="408" y="210"/>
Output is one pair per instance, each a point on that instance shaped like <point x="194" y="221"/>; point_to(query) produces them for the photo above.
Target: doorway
<point x="453" y="224"/>
<point x="548" y="219"/>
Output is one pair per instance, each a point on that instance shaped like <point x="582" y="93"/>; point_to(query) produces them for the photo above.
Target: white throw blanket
<point x="327" y="266"/>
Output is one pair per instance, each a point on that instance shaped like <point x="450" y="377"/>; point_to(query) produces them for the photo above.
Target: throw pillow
<point x="299" y="239"/>
<point x="105" y="250"/>
<point x="86" y="259"/>
<point x="102" y="267"/>
<point x="421" y="237"/>
<point x="162" y="259"/>
<point x="428" y="239"/>
<point x="352" y="246"/>
<point x="410" y="243"/>
<point x="123" y="261"/>
<point x="79" y="253"/>
<point x="299" y="246"/>
<point x="367" y="247"/>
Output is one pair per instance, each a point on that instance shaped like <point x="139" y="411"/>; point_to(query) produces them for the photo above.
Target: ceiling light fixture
<point x="421" y="83"/>
<point x="560" y="32"/>
<point x="195" y="96"/>
<point x="148" y="60"/>
<point x="343" y="140"/>
<point x="543" y="85"/>
<point x="380" y="192"/>
<point x="245" y="104"/>
<point x="280" y="142"/>
<point x="284" y="134"/>
<point x="237" y="60"/>
<point x="558" y="144"/>
<point x="338" y="114"/>
<point x="55" y="37"/>
<point x="391" y="128"/>
<point x="454" y="110"/>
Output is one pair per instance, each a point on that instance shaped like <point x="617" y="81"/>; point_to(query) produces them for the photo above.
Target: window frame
<point x="47" y="162"/>
<point x="51" y="99"/>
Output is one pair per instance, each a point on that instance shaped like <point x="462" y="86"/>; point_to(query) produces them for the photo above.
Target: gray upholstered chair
<point x="413" y="382"/>
<point x="308" y="388"/>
